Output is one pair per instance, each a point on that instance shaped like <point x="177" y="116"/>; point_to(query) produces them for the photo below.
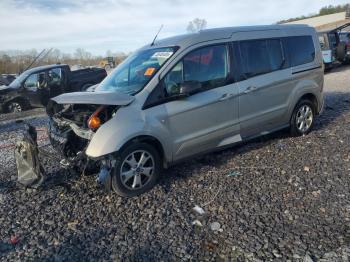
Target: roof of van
<point x="215" y="33"/>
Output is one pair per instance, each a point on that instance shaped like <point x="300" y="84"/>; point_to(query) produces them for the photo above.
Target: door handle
<point x="250" y="89"/>
<point x="225" y="97"/>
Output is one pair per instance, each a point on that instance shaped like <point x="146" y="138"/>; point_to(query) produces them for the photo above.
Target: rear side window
<point x="55" y="76"/>
<point x="301" y="49"/>
<point x="255" y="59"/>
<point x="261" y="56"/>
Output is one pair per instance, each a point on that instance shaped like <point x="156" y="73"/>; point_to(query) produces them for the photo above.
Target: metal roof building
<point x="326" y="22"/>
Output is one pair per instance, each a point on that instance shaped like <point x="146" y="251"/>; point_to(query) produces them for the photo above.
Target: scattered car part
<point x="29" y="169"/>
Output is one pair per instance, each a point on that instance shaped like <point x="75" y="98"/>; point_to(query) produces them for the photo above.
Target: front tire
<point x="16" y="106"/>
<point x="302" y="119"/>
<point x="136" y="170"/>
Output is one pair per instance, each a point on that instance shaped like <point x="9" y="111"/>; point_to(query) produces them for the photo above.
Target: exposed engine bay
<point x="72" y="126"/>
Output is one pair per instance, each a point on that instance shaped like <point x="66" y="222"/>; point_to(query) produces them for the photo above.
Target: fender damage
<point x="69" y="130"/>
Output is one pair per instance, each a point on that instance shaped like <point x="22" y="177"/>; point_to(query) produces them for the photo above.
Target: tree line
<point x="16" y="61"/>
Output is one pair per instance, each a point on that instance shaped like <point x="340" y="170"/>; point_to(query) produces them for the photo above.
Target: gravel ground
<point x="275" y="198"/>
<point x="35" y="112"/>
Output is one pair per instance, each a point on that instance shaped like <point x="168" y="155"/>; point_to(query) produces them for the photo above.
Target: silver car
<point x="187" y="95"/>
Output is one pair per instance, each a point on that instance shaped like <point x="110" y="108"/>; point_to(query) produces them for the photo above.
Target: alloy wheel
<point x="304" y="118"/>
<point x="137" y="169"/>
<point x="15" y="107"/>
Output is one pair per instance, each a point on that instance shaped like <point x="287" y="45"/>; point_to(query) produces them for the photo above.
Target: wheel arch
<point x="151" y="140"/>
<point x="311" y="97"/>
<point x="315" y="100"/>
<point x="25" y="101"/>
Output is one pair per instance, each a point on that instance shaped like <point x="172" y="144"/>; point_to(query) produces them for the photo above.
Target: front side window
<point x="208" y="66"/>
<point x="136" y="71"/>
<point x="301" y="49"/>
<point x="31" y="82"/>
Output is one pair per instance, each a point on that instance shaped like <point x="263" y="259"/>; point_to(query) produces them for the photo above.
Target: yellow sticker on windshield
<point x="149" y="71"/>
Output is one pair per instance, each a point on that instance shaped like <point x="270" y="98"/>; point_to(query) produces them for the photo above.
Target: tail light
<point x="94" y="121"/>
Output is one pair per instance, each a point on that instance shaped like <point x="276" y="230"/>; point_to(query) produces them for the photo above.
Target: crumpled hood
<point x="95" y="98"/>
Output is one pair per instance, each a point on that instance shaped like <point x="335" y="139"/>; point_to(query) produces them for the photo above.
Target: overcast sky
<point x="124" y="25"/>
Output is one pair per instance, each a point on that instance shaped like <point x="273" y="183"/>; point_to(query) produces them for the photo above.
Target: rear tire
<point x="303" y="117"/>
<point x="136" y="170"/>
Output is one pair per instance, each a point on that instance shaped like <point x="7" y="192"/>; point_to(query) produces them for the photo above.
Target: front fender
<point x="123" y="127"/>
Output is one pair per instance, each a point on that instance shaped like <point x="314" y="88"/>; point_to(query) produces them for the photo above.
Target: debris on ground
<point x="14" y="240"/>
<point x="197" y="223"/>
<point x="215" y="226"/>
<point x="29" y="168"/>
<point x="234" y="173"/>
<point x="306" y="169"/>
<point x="199" y="210"/>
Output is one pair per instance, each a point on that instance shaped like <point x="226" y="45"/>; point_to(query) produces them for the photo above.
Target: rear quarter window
<point x="301" y="49"/>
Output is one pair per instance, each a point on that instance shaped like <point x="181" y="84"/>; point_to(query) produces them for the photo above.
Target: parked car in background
<point x="334" y="46"/>
<point x="328" y="45"/>
<point x="34" y="87"/>
<point x="187" y="95"/>
<point x="6" y="79"/>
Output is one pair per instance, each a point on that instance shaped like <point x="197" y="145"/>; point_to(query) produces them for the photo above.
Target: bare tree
<point x="196" y="25"/>
<point x="82" y="56"/>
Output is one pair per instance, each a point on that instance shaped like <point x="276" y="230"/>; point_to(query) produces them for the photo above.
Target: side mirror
<point x="190" y="87"/>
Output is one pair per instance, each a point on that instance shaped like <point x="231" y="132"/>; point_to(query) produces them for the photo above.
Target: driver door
<point x="209" y="118"/>
<point x="30" y="89"/>
<point x="55" y="83"/>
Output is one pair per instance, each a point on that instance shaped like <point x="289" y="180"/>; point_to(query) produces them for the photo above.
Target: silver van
<point x="187" y="95"/>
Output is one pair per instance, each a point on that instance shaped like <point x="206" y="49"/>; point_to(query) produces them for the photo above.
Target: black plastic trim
<point x="305" y="70"/>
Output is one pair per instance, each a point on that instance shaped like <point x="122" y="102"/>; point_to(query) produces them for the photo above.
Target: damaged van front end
<point x="74" y="119"/>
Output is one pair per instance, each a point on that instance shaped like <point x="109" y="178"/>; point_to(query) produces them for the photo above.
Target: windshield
<point x="18" y="81"/>
<point x="136" y="71"/>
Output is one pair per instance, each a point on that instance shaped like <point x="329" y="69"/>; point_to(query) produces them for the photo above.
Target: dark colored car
<point x="6" y="79"/>
<point x="35" y="87"/>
